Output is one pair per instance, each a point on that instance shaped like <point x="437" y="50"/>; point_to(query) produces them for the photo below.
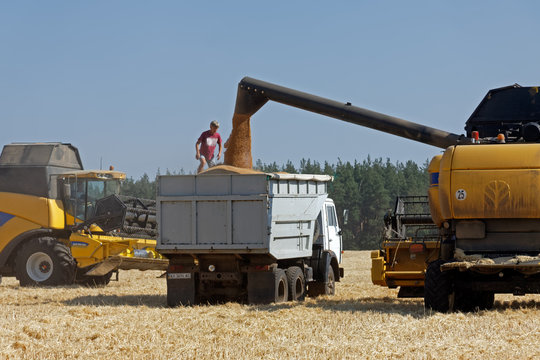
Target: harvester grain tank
<point x="58" y="222"/>
<point x="483" y="193"/>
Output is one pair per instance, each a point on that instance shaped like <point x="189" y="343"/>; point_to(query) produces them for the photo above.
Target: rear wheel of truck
<point x="297" y="283"/>
<point x="328" y="287"/>
<point x="281" y="286"/>
<point x="437" y="288"/>
<point x="44" y="262"/>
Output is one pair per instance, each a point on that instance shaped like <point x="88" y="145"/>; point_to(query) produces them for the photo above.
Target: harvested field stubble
<point x="128" y="320"/>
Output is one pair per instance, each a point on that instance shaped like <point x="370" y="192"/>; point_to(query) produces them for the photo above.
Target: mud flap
<point x="181" y="291"/>
<point x="261" y="287"/>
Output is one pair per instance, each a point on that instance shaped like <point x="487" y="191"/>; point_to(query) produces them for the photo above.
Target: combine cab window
<point x="83" y="194"/>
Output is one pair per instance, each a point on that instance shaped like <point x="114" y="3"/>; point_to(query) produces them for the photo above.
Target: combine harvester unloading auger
<point x="253" y="94"/>
<point x="483" y="196"/>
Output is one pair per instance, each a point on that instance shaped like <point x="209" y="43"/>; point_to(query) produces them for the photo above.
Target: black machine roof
<point x="41" y="154"/>
<point x="505" y="110"/>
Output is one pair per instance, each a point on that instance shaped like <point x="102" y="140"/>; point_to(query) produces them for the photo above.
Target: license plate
<point x="179" y="276"/>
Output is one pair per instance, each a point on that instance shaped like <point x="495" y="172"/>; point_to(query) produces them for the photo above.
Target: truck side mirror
<point x="345" y="217"/>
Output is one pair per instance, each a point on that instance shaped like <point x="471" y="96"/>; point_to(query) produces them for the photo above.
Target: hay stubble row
<point x="128" y="320"/>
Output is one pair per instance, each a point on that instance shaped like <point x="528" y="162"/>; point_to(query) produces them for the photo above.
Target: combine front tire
<point x="44" y="262"/>
<point x="437" y="288"/>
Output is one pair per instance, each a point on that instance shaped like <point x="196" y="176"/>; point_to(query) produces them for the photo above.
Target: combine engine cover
<point x="26" y="168"/>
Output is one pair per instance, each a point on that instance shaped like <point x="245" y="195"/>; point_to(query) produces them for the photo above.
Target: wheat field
<point x="128" y="319"/>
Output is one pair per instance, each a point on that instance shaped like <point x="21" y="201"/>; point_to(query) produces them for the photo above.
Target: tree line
<point x="366" y="189"/>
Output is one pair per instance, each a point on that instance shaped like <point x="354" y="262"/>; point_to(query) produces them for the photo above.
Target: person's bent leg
<point x="201" y="165"/>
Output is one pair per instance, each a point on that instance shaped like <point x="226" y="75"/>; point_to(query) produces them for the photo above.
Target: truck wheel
<point x="323" y="288"/>
<point x="93" y="281"/>
<point x="437" y="288"/>
<point x="44" y="262"/>
<point x="282" y="288"/>
<point x="297" y="283"/>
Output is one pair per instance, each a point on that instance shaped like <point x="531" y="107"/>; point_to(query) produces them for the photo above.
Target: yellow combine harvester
<point x="59" y="223"/>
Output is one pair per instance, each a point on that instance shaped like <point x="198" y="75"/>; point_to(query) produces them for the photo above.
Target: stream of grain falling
<point x="238" y="146"/>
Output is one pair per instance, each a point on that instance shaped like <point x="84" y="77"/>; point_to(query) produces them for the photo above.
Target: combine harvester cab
<point x="58" y="222"/>
<point x="254" y="237"/>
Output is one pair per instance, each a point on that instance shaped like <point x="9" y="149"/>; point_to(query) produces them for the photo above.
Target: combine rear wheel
<point x="437" y="288"/>
<point x="44" y="262"/>
<point x="297" y="283"/>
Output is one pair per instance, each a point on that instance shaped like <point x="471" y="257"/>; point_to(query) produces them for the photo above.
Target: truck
<point x="483" y="192"/>
<point x="252" y="237"/>
<point x="410" y="241"/>
<point x="60" y="224"/>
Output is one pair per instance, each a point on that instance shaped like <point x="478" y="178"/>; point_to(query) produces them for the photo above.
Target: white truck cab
<point x="331" y="232"/>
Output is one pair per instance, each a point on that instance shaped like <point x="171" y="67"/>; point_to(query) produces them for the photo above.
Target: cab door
<point x="334" y="232"/>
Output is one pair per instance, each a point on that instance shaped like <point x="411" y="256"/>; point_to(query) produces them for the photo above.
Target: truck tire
<point x="297" y="283"/>
<point x="281" y="286"/>
<point x="327" y="287"/>
<point x="44" y="262"/>
<point x="93" y="281"/>
<point x="437" y="288"/>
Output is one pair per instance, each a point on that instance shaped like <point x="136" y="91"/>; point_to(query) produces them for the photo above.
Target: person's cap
<point x="214" y="123"/>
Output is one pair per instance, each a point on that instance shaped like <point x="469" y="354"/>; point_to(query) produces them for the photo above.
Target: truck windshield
<point x="83" y="194"/>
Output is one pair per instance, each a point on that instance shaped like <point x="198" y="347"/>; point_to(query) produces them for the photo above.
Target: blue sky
<point x="134" y="83"/>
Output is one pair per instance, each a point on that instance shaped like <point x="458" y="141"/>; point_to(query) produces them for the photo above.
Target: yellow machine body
<point x="22" y="214"/>
<point x="486" y="182"/>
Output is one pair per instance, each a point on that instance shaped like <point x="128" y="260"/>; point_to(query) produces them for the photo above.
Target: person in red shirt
<point x="208" y="141"/>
